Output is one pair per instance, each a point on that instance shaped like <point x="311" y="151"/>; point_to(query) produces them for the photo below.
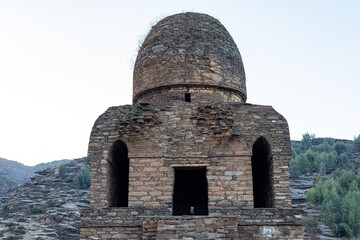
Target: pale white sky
<point x="63" y="63"/>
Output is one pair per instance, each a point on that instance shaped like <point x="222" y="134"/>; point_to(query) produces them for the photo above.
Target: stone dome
<point x="191" y="57"/>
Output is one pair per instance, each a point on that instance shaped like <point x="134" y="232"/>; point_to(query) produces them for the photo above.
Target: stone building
<point x="190" y="159"/>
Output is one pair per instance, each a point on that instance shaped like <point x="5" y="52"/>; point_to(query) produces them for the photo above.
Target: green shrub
<point x="295" y="170"/>
<point x="197" y="35"/>
<point x="340" y="148"/>
<point x="311" y="157"/>
<point x="357" y="143"/>
<point x="339" y="199"/>
<point x="327" y="145"/>
<point x="83" y="178"/>
<point x="52" y="202"/>
<point x="70" y="178"/>
<point x="342" y="161"/>
<point x="62" y="171"/>
<point x="35" y="209"/>
<point x="311" y="225"/>
<point x="322" y="168"/>
<point x="306" y="141"/>
<point x="294" y="152"/>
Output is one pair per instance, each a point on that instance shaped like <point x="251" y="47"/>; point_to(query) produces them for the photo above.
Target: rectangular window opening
<point x="187" y="97"/>
<point x="190" y="196"/>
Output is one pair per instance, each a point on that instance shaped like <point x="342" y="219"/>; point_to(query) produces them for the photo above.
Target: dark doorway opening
<point x="262" y="173"/>
<point x="187" y="97"/>
<point x="190" y="192"/>
<point x="118" y="175"/>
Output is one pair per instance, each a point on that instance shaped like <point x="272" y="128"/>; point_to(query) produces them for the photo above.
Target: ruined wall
<point x="188" y="49"/>
<point x="189" y="115"/>
<point x="217" y="135"/>
<point x="229" y="223"/>
<point x="197" y="94"/>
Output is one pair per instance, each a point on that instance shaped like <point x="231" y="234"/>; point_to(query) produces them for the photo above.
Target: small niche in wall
<point x="187" y="97"/>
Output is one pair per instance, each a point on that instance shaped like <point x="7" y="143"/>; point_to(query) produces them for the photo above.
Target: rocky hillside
<point x="299" y="186"/>
<point x="46" y="207"/>
<point x="13" y="173"/>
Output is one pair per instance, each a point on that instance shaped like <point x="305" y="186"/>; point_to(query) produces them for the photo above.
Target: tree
<point x="342" y="161"/>
<point x="295" y="170"/>
<point x="62" y="171"/>
<point x="83" y="178"/>
<point x="357" y="143"/>
<point x="311" y="157"/>
<point x="340" y="148"/>
<point x="339" y="199"/>
<point x="306" y="141"/>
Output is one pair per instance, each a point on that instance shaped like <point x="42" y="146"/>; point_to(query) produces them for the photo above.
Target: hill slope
<point x="13" y="173"/>
<point x="46" y="207"/>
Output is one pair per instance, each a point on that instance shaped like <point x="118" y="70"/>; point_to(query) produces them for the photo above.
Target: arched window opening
<point x="190" y="191"/>
<point x="118" y="168"/>
<point x="262" y="173"/>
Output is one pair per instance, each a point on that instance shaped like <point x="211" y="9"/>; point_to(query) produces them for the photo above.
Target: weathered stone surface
<point x="189" y="113"/>
<point x="189" y="53"/>
<point x="58" y="204"/>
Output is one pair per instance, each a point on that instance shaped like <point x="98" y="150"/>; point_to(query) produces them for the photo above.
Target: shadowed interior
<point x="190" y="192"/>
<point x="262" y="172"/>
<point x="118" y="175"/>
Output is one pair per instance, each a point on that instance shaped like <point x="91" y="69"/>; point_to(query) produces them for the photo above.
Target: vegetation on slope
<point x="53" y="164"/>
<point x="13" y="173"/>
<point x="337" y="189"/>
<point x="339" y="199"/>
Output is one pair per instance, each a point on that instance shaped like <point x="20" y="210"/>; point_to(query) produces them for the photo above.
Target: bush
<point x="311" y="225"/>
<point x="306" y="141"/>
<point x="35" y="210"/>
<point x="70" y="178"/>
<point x="327" y="145"/>
<point x="295" y="170"/>
<point x="339" y="199"/>
<point x="295" y="152"/>
<point x="342" y="161"/>
<point x="62" y="171"/>
<point x="340" y="148"/>
<point x="311" y="157"/>
<point x="83" y="178"/>
<point x="357" y="143"/>
<point x="52" y="202"/>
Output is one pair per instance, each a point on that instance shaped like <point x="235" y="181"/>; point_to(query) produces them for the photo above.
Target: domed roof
<point x="189" y="50"/>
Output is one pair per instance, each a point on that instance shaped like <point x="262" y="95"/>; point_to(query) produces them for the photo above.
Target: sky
<point x="64" y="62"/>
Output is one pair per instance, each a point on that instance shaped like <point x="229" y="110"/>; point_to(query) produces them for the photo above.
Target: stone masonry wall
<point x="218" y="135"/>
<point x="197" y="94"/>
<point x="189" y="49"/>
<point x="229" y="223"/>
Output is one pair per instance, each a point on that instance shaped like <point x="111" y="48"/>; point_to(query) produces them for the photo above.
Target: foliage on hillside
<point x="339" y="199"/>
<point x="53" y="164"/>
<point x="13" y="173"/>
<point x="329" y="156"/>
<point x="357" y="143"/>
<point x="337" y="190"/>
<point x="19" y="173"/>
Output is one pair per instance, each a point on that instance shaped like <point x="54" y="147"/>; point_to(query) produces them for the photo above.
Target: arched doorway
<point x="118" y="170"/>
<point x="262" y="173"/>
